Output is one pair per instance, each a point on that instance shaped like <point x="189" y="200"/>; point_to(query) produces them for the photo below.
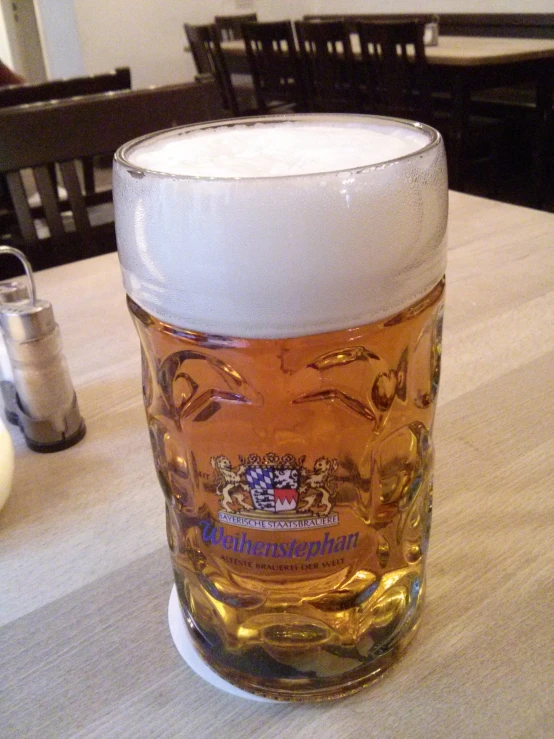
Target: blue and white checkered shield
<point x="273" y="489"/>
<point x="261" y="484"/>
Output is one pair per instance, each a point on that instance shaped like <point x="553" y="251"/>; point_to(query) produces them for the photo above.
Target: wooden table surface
<point x="460" y="50"/>
<point x="470" y="50"/>
<point x="85" y="574"/>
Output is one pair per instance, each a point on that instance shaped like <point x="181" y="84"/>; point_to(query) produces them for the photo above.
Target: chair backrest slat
<point x="75" y="197"/>
<point x="21" y="206"/>
<point x="274" y="63"/>
<point x="209" y="59"/>
<point x="49" y="200"/>
<point x="229" y="26"/>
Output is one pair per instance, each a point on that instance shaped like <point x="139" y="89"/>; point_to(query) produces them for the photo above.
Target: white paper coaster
<point x="186" y="649"/>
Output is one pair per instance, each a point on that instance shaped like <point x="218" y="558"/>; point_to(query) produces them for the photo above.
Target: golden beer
<point x="297" y="469"/>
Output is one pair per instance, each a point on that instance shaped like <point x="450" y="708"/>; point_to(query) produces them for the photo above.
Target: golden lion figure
<point x="318" y="483"/>
<point x="231" y="488"/>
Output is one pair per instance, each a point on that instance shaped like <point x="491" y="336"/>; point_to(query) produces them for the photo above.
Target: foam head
<point x="281" y="226"/>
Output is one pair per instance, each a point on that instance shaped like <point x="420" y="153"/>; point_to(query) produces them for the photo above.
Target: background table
<point x="85" y="574"/>
<point x="457" y="51"/>
<point x="465" y="65"/>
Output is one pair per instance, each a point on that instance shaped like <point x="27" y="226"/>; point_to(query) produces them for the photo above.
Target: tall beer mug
<point x="285" y="275"/>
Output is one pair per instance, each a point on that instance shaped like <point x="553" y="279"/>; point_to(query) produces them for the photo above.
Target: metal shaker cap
<point x="27" y="318"/>
<point x="12" y="291"/>
<point x="25" y="321"/>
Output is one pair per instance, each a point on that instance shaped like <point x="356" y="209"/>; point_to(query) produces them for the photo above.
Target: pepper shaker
<point x="11" y="291"/>
<point x="41" y="398"/>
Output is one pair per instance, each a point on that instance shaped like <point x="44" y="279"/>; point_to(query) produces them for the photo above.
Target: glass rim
<point x="121" y="155"/>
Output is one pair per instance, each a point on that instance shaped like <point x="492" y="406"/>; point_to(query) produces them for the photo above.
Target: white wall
<point x="148" y="35"/>
<point x="20" y="31"/>
<point x="5" y="50"/>
<point x="59" y="37"/>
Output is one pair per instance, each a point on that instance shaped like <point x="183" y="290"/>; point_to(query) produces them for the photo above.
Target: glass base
<point x="185" y="647"/>
<point x="277" y="694"/>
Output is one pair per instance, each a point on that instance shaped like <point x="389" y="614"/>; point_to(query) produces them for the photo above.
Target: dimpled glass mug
<point x="286" y="276"/>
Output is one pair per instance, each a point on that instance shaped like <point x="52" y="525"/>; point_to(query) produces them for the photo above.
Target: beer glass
<point x="285" y="275"/>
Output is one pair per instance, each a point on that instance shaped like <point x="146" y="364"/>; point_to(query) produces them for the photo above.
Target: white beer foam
<point x="265" y="248"/>
<point x="288" y="149"/>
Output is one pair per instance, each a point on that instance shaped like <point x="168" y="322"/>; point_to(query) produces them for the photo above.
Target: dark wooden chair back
<point x="326" y="52"/>
<point x="274" y="64"/>
<point x="119" y="79"/>
<point x="229" y="27"/>
<point x="210" y="60"/>
<point x="30" y="139"/>
<point x="394" y="79"/>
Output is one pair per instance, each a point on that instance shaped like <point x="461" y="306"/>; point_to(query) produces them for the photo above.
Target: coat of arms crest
<point x="273" y="484"/>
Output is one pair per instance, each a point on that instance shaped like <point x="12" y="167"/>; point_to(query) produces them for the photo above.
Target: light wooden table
<point x="85" y="574"/>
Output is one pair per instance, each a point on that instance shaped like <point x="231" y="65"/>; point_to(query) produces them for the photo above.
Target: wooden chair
<point x="328" y="63"/>
<point x="275" y="66"/>
<point x="393" y="78"/>
<point x="119" y="79"/>
<point x="210" y="60"/>
<point x="229" y="27"/>
<point x="395" y="81"/>
<point x="30" y="139"/>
